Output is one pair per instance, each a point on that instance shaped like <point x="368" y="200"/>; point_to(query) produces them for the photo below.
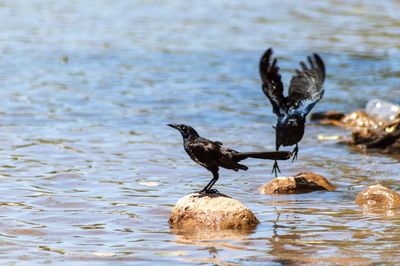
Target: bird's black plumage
<point x="305" y="90"/>
<point x="212" y="155"/>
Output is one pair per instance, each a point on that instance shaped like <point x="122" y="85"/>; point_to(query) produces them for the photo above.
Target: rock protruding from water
<point x="330" y="115"/>
<point x="211" y="211"/>
<point x="301" y="183"/>
<point x="378" y="197"/>
<point x="368" y="133"/>
<point x="355" y="121"/>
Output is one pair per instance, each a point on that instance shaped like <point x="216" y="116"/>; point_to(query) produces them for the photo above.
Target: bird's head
<point x="187" y="131"/>
<point x="292" y="122"/>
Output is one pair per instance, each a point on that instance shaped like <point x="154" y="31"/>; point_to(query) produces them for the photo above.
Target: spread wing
<point x="272" y="83"/>
<point x="305" y="88"/>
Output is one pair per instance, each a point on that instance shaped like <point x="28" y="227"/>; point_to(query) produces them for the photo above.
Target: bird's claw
<point x="275" y="169"/>
<point x="210" y="191"/>
<point x="295" y="151"/>
<point x="213" y="191"/>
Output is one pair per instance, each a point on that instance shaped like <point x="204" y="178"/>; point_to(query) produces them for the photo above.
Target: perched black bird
<point x="212" y="155"/>
<point x="305" y="90"/>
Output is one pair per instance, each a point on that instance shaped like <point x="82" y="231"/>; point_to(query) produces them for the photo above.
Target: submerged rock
<point x="301" y="183"/>
<point x="213" y="211"/>
<point x="378" y="197"/>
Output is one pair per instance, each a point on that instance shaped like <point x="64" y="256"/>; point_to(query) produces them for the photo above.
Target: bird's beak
<point x="173" y="126"/>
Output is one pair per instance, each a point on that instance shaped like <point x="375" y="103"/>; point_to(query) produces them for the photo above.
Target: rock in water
<point x="359" y="120"/>
<point x="330" y="115"/>
<point x="378" y="197"/>
<point x="214" y="211"/>
<point x="301" y="183"/>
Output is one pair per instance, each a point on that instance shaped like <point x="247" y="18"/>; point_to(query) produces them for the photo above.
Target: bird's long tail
<point x="273" y="155"/>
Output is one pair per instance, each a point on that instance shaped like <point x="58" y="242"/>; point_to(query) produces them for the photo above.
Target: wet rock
<point x="329" y="115"/>
<point x="365" y="135"/>
<point x="301" y="183"/>
<point x="370" y="139"/>
<point x="384" y="141"/>
<point x="378" y="197"/>
<point x="213" y="211"/>
<point x="394" y="149"/>
<point x="368" y="133"/>
<point x="359" y="120"/>
<point x="328" y="118"/>
<point x="355" y="120"/>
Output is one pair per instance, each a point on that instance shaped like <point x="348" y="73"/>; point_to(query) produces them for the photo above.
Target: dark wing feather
<point x="305" y="88"/>
<point x="204" y="151"/>
<point x="272" y="83"/>
<point x="229" y="161"/>
<point x="210" y="154"/>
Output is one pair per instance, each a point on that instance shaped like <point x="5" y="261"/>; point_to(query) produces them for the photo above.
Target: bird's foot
<point x="213" y="191"/>
<point x="295" y="151"/>
<point x="210" y="191"/>
<point x="275" y="169"/>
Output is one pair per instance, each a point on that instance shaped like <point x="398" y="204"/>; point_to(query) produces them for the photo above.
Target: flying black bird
<point x="305" y="90"/>
<point x="212" y="155"/>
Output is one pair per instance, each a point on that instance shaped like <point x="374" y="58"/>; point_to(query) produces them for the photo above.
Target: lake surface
<point x="89" y="171"/>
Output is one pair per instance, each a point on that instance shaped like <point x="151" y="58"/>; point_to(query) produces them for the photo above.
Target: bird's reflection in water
<point x="281" y="242"/>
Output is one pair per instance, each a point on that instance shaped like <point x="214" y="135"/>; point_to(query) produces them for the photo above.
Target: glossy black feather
<point x="305" y="90"/>
<point x="212" y="154"/>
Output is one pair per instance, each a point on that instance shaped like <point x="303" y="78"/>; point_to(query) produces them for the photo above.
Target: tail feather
<point x="273" y="155"/>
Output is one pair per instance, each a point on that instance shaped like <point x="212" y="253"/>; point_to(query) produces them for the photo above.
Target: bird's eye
<point x="183" y="128"/>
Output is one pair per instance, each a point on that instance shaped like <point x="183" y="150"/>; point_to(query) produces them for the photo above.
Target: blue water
<point x="90" y="172"/>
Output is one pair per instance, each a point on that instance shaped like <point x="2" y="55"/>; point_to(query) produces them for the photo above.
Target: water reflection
<point x="211" y="241"/>
<point x="381" y="213"/>
<point x="201" y="236"/>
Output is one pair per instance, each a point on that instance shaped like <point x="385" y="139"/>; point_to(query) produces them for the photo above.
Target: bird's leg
<point x="215" y="179"/>
<point x="295" y="151"/>
<point x="207" y="189"/>
<point x="275" y="169"/>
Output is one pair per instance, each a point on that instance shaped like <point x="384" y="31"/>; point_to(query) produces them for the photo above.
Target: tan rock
<point x="355" y="121"/>
<point x="301" y="183"/>
<point x="214" y="211"/>
<point x="359" y="119"/>
<point x="368" y="133"/>
<point x="365" y="135"/>
<point x="378" y="197"/>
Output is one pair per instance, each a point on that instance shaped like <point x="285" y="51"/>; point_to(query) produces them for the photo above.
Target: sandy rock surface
<point x="215" y="211"/>
<point x="301" y="183"/>
<point x="378" y="197"/>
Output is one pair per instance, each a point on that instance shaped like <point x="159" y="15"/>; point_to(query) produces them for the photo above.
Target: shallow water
<point x="90" y="172"/>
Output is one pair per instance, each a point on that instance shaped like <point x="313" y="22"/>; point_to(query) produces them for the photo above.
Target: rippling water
<point x="90" y="172"/>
